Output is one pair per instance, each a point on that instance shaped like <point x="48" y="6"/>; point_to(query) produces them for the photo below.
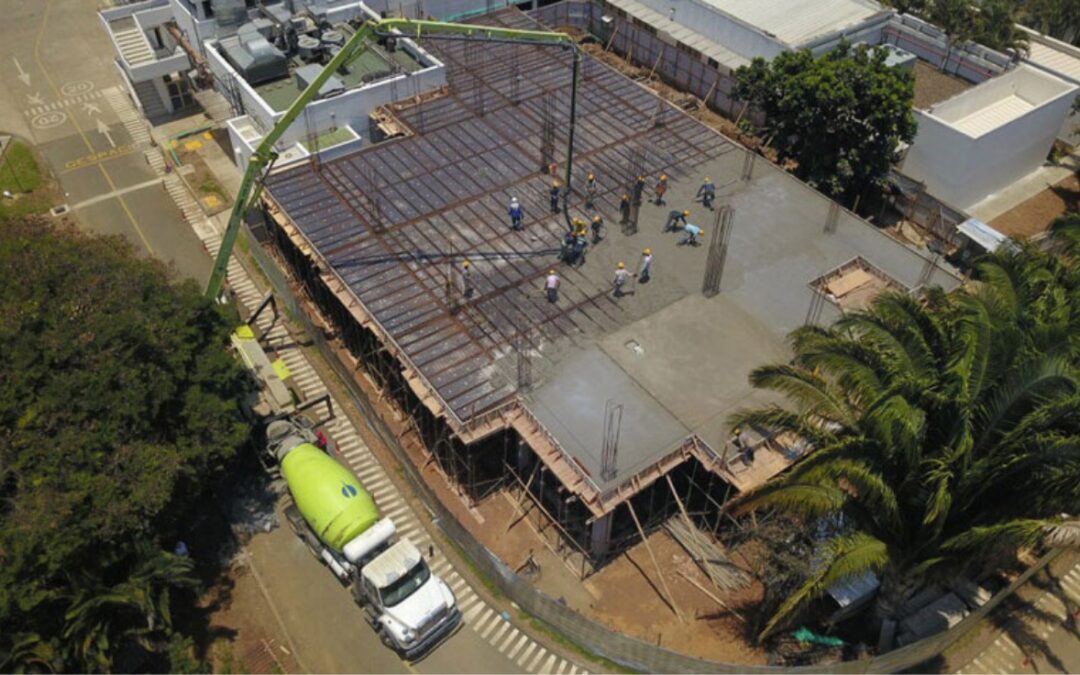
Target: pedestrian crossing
<point x="1051" y="612"/>
<point x="492" y="626"/>
<point x="39" y="108"/>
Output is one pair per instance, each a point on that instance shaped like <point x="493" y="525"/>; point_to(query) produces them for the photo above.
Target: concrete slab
<point x="1024" y="189"/>
<point x="571" y="406"/>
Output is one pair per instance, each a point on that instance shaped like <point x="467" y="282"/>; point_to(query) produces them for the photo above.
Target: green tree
<point x="947" y="431"/>
<point x="119" y="404"/>
<point x="958" y="19"/>
<point x="1057" y="18"/>
<point x="996" y="27"/>
<point x="840" y="116"/>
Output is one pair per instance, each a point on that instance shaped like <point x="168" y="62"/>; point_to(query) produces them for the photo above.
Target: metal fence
<point x="588" y="634"/>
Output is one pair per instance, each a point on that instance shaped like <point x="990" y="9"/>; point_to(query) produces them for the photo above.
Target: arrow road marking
<point x="103" y="129"/>
<point x="35" y="99"/>
<point x="91" y="109"/>
<point x="23" y="75"/>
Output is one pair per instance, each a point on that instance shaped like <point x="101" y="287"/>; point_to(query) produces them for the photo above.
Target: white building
<point x="990" y="136"/>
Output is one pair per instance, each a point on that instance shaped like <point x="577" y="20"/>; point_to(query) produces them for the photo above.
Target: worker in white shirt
<point x="551" y="286"/>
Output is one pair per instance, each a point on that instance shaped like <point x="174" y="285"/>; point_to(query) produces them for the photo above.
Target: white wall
<point x="718" y="27"/>
<point x="962" y="170"/>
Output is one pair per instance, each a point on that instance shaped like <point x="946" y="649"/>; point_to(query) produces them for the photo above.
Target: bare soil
<point x="212" y="197"/>
<point x="1035" y="215"/>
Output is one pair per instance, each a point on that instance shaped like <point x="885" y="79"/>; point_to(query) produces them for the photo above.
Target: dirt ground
<point x="211" y="195"/>
<point x="627" y="593"/>
<point x="933" y="86"/>
<point x="1035" y="215"/>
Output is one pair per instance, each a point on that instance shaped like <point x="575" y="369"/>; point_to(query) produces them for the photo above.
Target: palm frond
<point x="1026" y="385"/>
<point x="778" y="420"/>
<point x="807" y="500"/>
<point x="813" y="394"/>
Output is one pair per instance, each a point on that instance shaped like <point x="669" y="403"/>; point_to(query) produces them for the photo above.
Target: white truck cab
<point x="412" y="608"/>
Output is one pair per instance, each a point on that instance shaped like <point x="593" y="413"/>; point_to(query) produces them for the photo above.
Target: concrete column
<point x="163" y="93"/>
<point x="601" y="536"/>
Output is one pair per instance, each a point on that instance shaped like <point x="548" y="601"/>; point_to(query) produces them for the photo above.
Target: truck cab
<point x="412" y="609"/>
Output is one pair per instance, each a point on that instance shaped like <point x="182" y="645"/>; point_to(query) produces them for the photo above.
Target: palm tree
<point x="997" y="28"/>
<point x="136" y="609"/>
<point x="947" y="432"/>
<point x="957" y="18"/>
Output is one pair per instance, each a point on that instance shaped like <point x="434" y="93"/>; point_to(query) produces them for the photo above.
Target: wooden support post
<point x="612" y="38"/>
<point x="663" y="582"/>
<point x="712" y="90"/>
<point x="519" y="503"/>
<point x="659" y="58"/>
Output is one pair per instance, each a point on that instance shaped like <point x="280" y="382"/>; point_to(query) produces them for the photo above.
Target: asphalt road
<point x="56" y="70"/>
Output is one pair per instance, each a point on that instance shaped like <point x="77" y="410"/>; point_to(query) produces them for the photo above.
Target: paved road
<point x="59" y="79"/>
<point x="1043" y="637"/>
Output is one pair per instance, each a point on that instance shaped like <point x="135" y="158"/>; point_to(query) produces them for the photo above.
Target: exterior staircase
<point x="134" y="47"/>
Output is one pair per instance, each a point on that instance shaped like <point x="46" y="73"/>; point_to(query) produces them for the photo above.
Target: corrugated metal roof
<point x="697" y="41"/>
<point x="797" y="22"/>
<point x="982" y="234"/>
<point x="1056" y="60"/>
<point x="996" y="114"/>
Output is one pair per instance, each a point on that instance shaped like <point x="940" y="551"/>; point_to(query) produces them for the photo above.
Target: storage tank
<point x="328" y="495"/>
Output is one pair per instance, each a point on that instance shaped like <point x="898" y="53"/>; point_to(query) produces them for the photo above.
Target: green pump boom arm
<point x="264" y="155"/>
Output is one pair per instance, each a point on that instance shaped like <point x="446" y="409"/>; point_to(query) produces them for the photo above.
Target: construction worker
<point x="674" y="219"/>
<point x="707" y="193"/>
<point x="624" y="209"/>
<point x="566" y="248"/>
<point x="590" y="190"/>
<point x="466" y="279"/>
<point x="597" y="226"/>
<point x="581" y="244"/>
<point x="639" y="188"/>
<point x="645" y="266"/>
<point x="556" y="188"/>
<point x="551" y="286"/>
<point x="693" y="233"/>
<point x="517" y="214"/>
<point x="661" y="188"/>
<point x="622" y="275"/>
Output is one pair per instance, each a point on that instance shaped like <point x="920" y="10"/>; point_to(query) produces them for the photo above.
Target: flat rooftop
<point x="1000" y="100"/>
<point x="391" y="219"/>
<point x="799" y="22"/>
<point x="373" y="64"/>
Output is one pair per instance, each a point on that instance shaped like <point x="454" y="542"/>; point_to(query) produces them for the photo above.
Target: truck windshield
<point x="404" y="587"/>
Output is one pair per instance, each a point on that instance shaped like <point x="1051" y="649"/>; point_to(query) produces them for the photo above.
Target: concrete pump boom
<point x="264" y="155"/>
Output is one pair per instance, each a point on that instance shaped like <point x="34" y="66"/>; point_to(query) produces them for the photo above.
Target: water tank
<point x="229" y="13"/>
<point x="308" y="48"/>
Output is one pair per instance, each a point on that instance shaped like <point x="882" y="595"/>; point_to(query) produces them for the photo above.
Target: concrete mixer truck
<point x="410" y="607"/>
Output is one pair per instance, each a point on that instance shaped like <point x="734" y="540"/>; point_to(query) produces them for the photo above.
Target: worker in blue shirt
<point x="693" y="233"/>
<point x="674" y="219"/>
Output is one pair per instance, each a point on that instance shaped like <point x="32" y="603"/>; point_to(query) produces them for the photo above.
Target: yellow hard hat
<point x="591" y="176"/>
<point x="467" y="263"/>
<point x="551" y="271"/>
<point x="597" y="219"/>
<point x="708" y="180"/>
<point x="640" y="177"/>
<point x="579" y="221"/>
<point x="686" y="213"/>
<point x="625" y="196"/>
<point x="647" y="251"/>
<point x="663" y="176"/>
<point x="556" y="183"/>
<point x="622" y="265"/>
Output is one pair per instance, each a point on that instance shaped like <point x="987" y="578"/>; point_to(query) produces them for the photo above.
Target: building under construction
<point x="608" y="411"/>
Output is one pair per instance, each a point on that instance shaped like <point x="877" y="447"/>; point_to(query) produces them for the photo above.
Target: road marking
<point x="536" y="659"/>
<point x="493" y="625"/>
<point x="116" y="193"/>
<point x="466" y="604"/>
<point x="75" y="123"/>
<point x="509" y="640"/>
<point x="494" y="639"/>
<point x="92" y="159"/>
<point x="22" y="74"/>
<point x="548" y="664"/>
<point x="517" y="648"/>
<point x="472" y="612"/>
<point x="486" y="615"/>
<point x="525" y="654"/>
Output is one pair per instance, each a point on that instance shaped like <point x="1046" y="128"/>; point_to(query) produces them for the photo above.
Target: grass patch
<point x="21" y="175"/>
<point x="210" y="186"/>
<point x="19" y="172"/>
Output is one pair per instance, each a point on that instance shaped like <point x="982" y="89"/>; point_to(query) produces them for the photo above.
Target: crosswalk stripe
<point x="517" y="648"/>
<point x="472" y="612"/>
<point x="564" y="666"/>
<point x="525" y="654"/>
<point x="488" y="612"/>
<point x="464" y="605"/>
<point x="536" y="659"/>
<point x="492" y="626"/>
<point x="494" y="639"/>
<point x="508" y="640"/>
<point x="548" y="664"/>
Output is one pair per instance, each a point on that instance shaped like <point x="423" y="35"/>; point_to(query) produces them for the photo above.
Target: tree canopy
<point x="119" y="402"/>
<point x="946" y="429"/>
<point x="992" y="22"/>
<point x="840" y="116"/>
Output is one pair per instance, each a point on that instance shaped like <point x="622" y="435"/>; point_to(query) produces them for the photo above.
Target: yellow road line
<point x="97" y="157"/>
<point x="75" y="123"/>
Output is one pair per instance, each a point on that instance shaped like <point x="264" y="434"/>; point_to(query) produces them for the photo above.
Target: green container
<point x="328" y="495"/>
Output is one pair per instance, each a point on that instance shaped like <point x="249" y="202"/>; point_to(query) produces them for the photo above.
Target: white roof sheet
<point x="702" y="44"/>
<point x="982" y="234"/>
<point x="797" y="22"/>
<point x="1056" y="60"/>
<point x="996" y="114"/>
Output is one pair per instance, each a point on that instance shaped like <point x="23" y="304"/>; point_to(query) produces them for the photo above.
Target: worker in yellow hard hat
<point x="661" y="188"/>
<point x="556" y="188"/>
<point x="580" y="228"/>
<point x="624" y="208"/>
<point x="693" y="235"/>
<point x="551" y="286"/>
<point x="590" y="190"/>
<point x="597" y="229"/>
<point x="622" y="275"/>
<point x="675" y="220"/>
<point x="639" y="188"/>
<point x="706" y="193"/>
<point x="645" y="267"/>
<point x="466" y="279"/>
